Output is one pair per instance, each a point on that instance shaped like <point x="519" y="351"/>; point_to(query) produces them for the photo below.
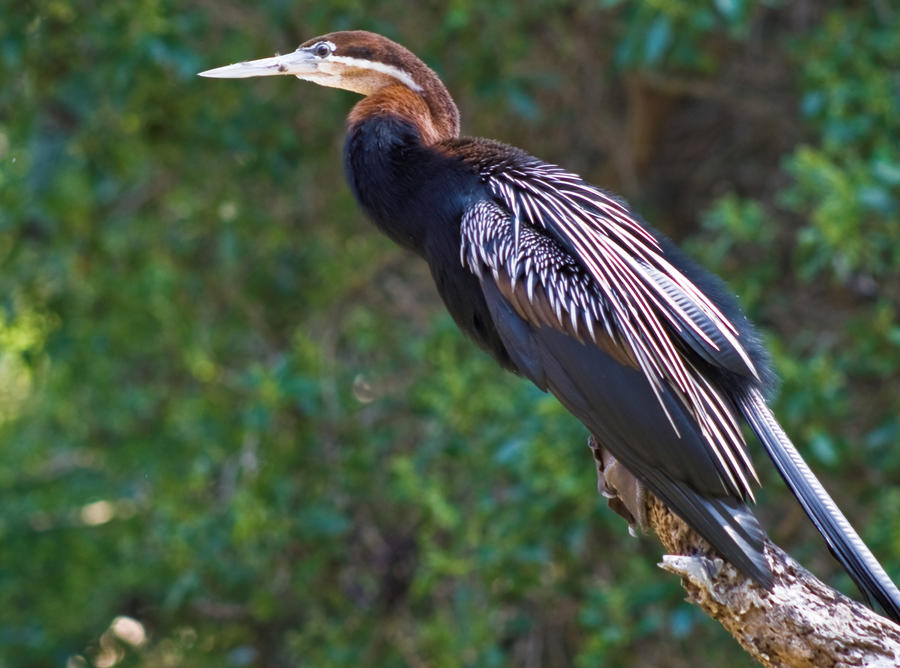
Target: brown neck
<point x="431" y="110"/>
<point x="443" y="110"/>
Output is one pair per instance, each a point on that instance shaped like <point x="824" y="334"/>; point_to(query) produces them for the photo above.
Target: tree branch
<point x="800" y="623"/>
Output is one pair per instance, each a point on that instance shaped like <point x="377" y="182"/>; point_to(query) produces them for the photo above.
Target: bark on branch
<point x="800" y="623"/>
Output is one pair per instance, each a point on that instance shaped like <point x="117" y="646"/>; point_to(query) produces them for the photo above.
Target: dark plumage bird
<point x="560" y="282"/>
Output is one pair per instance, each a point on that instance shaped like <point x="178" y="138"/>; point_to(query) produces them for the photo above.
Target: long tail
<point x="843" y="541"/>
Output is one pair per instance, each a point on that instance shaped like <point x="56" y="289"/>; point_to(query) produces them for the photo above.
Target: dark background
<point x="237" y="427"/>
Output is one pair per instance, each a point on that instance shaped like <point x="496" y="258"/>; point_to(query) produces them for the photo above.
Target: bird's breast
<point x="416" y="194"/>
<point x="411" y="191"/>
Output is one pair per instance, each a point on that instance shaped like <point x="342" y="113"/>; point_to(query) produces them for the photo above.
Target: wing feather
<point x="615" y="308"/>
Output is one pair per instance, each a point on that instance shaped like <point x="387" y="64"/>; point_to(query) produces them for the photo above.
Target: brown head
<point x="391" y="77"/>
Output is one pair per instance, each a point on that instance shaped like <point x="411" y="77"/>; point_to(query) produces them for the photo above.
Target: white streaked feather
<point x="626" y="292"/>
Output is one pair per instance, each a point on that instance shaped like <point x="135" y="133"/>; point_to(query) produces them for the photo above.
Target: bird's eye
<point x="321" y="50"/>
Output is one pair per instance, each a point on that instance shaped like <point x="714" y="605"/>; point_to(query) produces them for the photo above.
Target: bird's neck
<point x="406" y="181"/>
<point x="388" y="164"/>
<point x="431" y="111"/>
<point x="386" y="158"/>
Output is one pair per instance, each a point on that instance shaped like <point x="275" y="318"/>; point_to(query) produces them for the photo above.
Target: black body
<point x="424" y="197"/>
<point x="418" y="195"/>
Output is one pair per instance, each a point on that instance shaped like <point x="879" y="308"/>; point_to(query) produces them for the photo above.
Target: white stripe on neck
<point x="402" y="76"/>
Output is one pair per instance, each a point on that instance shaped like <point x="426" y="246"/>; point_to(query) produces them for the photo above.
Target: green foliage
<point x="678" y="34"/>
<point x="850" y="183"/>
<point x="231" y="411"/>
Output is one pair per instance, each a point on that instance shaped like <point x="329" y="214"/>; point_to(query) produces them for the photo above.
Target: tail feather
<point x="725" y="522"/>
<point x="842" y="539"/>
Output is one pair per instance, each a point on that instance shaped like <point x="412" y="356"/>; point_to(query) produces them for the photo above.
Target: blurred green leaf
<point x="234" y="413"/>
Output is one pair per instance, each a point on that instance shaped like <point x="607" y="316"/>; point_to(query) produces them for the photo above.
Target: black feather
<point x="841" y="538"/>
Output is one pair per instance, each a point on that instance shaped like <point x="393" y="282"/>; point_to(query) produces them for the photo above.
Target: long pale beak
<point x="298" y="63"/>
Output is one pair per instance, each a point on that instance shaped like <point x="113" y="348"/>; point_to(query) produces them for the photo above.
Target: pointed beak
<point x="297" y="63"/>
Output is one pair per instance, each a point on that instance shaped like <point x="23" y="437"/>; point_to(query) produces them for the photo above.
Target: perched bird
<point x="561" y="283"/>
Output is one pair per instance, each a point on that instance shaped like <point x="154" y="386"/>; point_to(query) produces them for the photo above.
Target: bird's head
<point x="358" y="61"/>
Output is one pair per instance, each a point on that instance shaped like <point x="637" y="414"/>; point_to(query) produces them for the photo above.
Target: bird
<point x="563" y="284"/>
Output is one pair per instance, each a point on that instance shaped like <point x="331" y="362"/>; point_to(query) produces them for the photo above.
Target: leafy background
<point x="236" y="426"/>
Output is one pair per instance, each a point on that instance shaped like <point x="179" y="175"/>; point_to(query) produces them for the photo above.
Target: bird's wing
<point x="648" y="296"/>
<point x="558" y="329"/>
<point x="595" y="325"/>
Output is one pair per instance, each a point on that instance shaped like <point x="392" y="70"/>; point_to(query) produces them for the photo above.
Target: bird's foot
<point x="625" y="493"/>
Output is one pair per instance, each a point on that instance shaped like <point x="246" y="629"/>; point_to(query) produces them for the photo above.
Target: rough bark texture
<point x="801" y="622"/>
